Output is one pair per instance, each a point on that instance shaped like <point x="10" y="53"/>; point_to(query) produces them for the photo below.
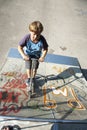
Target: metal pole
<point x="43" y="120"/>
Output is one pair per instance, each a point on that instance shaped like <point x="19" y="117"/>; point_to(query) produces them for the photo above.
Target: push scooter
<point x="31" y="85"/>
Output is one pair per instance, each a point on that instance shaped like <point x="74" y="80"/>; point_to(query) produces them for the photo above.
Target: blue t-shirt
<point x="32" y="49"/>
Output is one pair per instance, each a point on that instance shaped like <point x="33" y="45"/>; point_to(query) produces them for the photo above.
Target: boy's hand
<point x="25" y="57"/>
<point x="41" y="59"/>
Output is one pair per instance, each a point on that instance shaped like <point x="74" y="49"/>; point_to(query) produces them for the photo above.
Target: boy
<point x="33" y="46"/>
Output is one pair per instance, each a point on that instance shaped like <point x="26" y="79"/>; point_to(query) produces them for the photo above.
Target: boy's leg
<point x="28" y="73"/>
<point x="35" y="64"/>
<point x="34" y="73"/>
<point x="31" y="68"/>
<point x="28" y="70"/>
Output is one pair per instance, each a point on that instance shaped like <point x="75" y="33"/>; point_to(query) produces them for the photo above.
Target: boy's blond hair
<point x="36" y="27"/>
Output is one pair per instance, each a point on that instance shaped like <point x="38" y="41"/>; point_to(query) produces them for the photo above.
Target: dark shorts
<point x="32" y="64"/>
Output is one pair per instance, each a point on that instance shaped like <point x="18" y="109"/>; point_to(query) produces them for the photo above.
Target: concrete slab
<point x="61" y="89"/>
<point x="68" y="37"/>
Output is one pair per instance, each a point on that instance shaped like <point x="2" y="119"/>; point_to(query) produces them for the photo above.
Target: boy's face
<point x="34" y="36"/>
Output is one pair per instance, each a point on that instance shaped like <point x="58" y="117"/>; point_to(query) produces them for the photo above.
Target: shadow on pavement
<point x="84" y="71"/>
<point x="69" y="126"/>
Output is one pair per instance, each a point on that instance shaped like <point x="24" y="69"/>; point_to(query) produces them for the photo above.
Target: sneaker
<point x="33" y="80"/>
<point x="28" y="84"/>
<point x="33" y="85"/>
<point x="28" y="81"/>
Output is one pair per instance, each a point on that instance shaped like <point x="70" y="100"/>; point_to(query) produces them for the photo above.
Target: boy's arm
<point x="21" y="51"/>
<point x="41" y="59"/>
<point x="45" y="49"/>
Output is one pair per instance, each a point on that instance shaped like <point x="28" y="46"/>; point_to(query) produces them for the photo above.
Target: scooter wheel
<point x="9" y="127"/>
<point x="16" y="127"/>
